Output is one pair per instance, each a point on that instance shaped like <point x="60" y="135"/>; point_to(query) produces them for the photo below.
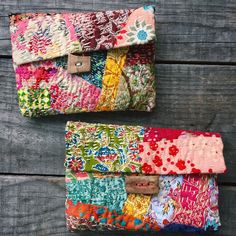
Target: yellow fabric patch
<point x="113" y="69"/>
<point x="137" y="205"/>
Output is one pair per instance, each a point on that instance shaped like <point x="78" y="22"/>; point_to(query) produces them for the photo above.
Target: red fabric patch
<point x="140" y="147"/>
<point x="143" y="54"/>
<point x="157" y="134"/>
<point x="181" y="164"/>
<point x="196" y="171"/>
<point x="173" y="150"/>
<point x="157" y="161"/>
<point x="147" y="168"/>
<point x="153" y="145"/>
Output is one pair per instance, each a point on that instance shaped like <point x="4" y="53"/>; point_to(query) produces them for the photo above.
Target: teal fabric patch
<point x="79" y="191"/>
<point x="123" y="223"/>
<point x="137" y="222"/>
<point x="109" y="192"/>
<point x="103" y="220"/>
<point x="98" y="60"/>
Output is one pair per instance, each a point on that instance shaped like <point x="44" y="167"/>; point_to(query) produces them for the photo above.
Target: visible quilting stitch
<point x="104" y="148"/>
<point x="109" y="192"/>
<point x="41" y="43"/>
<point x="111" y="148"/>
<point x="113" y="69"/>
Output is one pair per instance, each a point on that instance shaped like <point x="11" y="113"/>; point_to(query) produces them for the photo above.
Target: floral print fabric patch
<point x="121" y="48"/>
<point x="99" y="157"/>
<point x="103" y="148"/>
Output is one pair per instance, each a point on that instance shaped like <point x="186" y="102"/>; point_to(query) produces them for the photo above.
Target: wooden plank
<point x="186" y="30"/>
<point x="34" y="205"/>
<point x="188" y="96"/>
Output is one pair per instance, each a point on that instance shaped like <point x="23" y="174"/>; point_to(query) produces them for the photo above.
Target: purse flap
<point x="42" y="36"/>
<point x="136" y="149"/>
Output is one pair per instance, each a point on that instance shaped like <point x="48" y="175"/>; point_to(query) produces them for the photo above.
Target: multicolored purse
<point x="137" y="178"/>
<point x="84" y="62"/>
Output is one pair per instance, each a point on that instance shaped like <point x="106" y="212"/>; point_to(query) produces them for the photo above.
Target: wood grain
<point x="34" y="205"/>
<point x="186" y="30"/>
<point x="197" y="97"/>
<point x="188" y="96"/>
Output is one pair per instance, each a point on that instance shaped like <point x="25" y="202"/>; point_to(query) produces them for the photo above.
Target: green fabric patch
<point x="103" y="148"/>
<point x="34" y="102"/>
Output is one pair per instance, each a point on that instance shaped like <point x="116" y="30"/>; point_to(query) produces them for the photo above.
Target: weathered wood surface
<point x="191" y="96"/>
<point x="186" y="30"/>
<point x="188" y="96"/>
<point x="34" y="205"/>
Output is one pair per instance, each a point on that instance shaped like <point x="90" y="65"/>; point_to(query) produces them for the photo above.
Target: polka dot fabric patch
<point x="100" y="157"/>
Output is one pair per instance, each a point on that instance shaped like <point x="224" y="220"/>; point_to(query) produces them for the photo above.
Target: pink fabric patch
<point x="78" y="94"/>
<point x="182" y="152"/>
<point x="66" y="91"/>
<point x="192" y="201"/>
<point x="139" y="20"/>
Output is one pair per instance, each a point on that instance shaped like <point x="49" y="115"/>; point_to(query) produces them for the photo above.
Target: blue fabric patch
<point x="103" y="220"/>
<point x="123" y="223"/>
<point x="180" y="227"/>
<point x="100" y="211"/>
<point x="137" y="222"/>
<point x="98" y="61"/>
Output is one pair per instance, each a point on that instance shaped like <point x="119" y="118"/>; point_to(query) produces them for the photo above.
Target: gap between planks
<point x="174" y="62"/>
<point x="14" y="175"/>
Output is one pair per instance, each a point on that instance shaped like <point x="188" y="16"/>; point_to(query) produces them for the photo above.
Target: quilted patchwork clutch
<point x="84" y="62"/>
<point x="122" y="177"/>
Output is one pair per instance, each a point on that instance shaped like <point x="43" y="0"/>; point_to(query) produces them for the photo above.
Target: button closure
<point x="142" y="184"/>
<point x="78" y="63"/>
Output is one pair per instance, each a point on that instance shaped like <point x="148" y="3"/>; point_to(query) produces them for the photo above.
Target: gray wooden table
<point x="196" y="74"/>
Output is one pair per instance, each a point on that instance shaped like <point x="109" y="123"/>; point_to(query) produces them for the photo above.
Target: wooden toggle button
<point x="78" y="64"/>
<point x="142" y="184"/>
